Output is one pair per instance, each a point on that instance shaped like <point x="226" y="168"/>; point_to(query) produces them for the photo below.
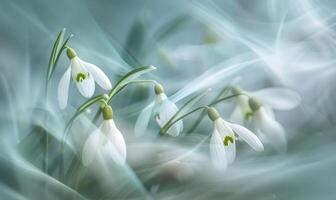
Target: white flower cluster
<point x="253" y="110"/>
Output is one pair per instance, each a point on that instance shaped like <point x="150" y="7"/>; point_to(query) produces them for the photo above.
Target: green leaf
<point x="135" y="82"/>
<point x="128" y="77"/>
<point x="61" y="49"/>
<point x="54" y="53"/>
<point x="82" y="108"/>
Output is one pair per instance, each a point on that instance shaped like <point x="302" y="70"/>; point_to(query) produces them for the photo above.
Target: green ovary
<point x="228" y="139"/>
<point x="248" y="115"/>
<point x="82" y="76"/>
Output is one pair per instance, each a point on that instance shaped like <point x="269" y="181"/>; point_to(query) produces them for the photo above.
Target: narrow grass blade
<point x="128" y="77"/>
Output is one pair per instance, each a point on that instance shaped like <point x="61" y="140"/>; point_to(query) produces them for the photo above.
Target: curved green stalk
<point x="53" y="60"/>
<point x="121" y="84"/>
<point x="168" y="125"/>
<point x="135" y="82"/>
<point x="189" y="103"/>
<point x="128" y="77"/>
<point x="201" y="115"/>
<point x="79" y="111"/>
<point x="55" y="55"/>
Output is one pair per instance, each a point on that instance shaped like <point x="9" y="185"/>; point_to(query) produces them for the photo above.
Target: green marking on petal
<point x="228" y="139"/>
<point x="248" y="115"/>
<point x="82" y="76"/>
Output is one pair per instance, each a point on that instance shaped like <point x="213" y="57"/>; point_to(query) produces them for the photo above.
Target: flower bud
<point x="107" y="112"/>
<point x="236" y="90"/>
<point x="254" y="104"/>
<point x="71" y="53"/>
<point x="213" y="114"/>
<point x="158" y="89"/>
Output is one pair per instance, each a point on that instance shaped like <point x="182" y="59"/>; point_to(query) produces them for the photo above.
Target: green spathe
<point x="107" y="112"/>
<point x="213" y="114"/>
<point x="71" y="53"/>
<point x="158" y="89"/>
<point x="254" y="104"/>
<point x="228" y="139"/>
<point x="236" y="90"/>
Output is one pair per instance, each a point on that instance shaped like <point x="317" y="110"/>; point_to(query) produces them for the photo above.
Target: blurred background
<point x="195" y="45"/>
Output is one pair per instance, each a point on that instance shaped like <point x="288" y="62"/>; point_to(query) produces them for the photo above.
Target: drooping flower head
<point x="258" y="106"/>
<point x="242" y="110"/>
<point x="268" y="129"/>
<point x="272" y="98"/>
<point x="107" y="141"/>
<point x="223" y="140"/>
<point x="84" y="74"/>
<point x="161" y="109"/>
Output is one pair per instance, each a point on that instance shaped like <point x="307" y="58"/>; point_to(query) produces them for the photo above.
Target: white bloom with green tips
<point x="223" y="140"/>
<point x="276" y="98"/>
<point x="84" y="74"/>
<point x="258" y="107"/>
<point x="162" y="110"/>
<point x="268" y="129"/>
<point x="106" y="141"/>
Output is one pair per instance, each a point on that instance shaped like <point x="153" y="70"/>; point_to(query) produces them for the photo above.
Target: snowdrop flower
<point x="162" y="109"/>
<point x="272" y="98"/>
<point x="242" y="110"/>
<point x="259" y="110"/>
<point x="223" y="140"/>
<point x="268" y="129"/>
<point x="84" y="74"/>
<point x="106" y="140"/>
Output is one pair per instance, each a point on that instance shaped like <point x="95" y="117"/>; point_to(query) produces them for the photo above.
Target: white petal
<point x="269" y="112"/>
<point x="117" y="140"/>
<point x="261" y="136"/>
<point x="275" y="134"/>
<point x="167" y="110"/>
<point x="86" y="87"/>
<point x="76" y="67"/>
<point x="278" y="98"/>
<point x="99" y="76"/>
<point x="160" y="98"/>
<point x="217" y="152"/>
<point x="63" y="88"/>
<point x="273" y="131"/>
<point x="143" y="120"/>
<point x="248" y="136"/>
<point x="90" y="148"/>
<point x="237" y="116"/>
<point x="224" y="130"/>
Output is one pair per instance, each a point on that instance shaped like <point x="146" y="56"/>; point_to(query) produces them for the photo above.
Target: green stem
<point x="168" y="125"/>
<point x="116" y="90"/>
<point x="226" y="98"/>
<point x="201" y="116"/>
<point x="197" y="98"/>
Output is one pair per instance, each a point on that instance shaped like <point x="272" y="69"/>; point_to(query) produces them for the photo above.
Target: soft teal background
<point x="195" y="45"/>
